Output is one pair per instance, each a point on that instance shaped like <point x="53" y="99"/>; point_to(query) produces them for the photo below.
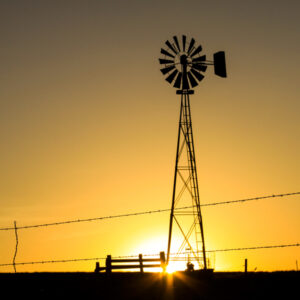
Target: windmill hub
<point x="183" y="60"/>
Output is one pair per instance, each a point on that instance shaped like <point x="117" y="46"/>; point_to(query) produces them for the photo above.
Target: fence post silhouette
<point x="163" y="261"/>
<point x="16" y="250"/>
<point x="141" y="263"/>
<point x="97" y="269"/>
<point x="108" y="264"/>
<point x="246" y="265"/>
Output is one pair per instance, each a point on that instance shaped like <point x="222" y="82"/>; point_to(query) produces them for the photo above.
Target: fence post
<point x="16" y="250"/>
<point x="141" y="263"/>
<point x="163" y="261"/>
<point x="246" y="265"/>
<point x="108" y="264"/>
<point x="97" y="269"/>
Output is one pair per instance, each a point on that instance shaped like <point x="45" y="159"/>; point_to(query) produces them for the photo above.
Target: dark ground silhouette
<point x="259" y="285"/>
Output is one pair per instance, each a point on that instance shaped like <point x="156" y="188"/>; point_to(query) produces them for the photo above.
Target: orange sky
<point x="88" y="128"/>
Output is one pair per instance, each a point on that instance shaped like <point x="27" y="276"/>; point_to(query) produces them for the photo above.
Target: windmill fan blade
<point x="199" y="48"/>
<point x="192" y="80"/>
<point x="183" y="42"/>
<point x="178" y="81"/>
<point x="167" y="69"/>
<point x="219" y="64"/>
<point x="165" y="61"/>
<point x="171" y="47"/>
<point x="176" y="42"/>
<point x="185" y="83"/>
<point x="198" y="75"/>
<point x="192" y="43"/>
<point x="163" y="51"/>
<point x="200" y="58"/>
<point x="171" y="77"/>
<point x="199" y="67"/>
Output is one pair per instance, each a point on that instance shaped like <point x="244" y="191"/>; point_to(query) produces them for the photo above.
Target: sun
<point x="171" y="268"/>
<point x="175" y="266"/>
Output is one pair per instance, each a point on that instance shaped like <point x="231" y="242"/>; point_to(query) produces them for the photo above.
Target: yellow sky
<point x="88" y="128"/>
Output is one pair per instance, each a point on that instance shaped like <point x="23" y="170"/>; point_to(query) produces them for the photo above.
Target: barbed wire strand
<point x="156" y="254"/>
<point x="148" y="212"/>
<point x="256" y="248"/>
<point x="53" y="261"/>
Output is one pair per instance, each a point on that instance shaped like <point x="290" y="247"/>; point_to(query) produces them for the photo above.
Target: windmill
<point x="183" y="66"/>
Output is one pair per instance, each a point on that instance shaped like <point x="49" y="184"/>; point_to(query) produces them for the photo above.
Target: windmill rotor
<point x="184" y="65"/>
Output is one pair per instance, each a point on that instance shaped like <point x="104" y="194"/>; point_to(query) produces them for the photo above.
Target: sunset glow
<point x="88" y="130"/>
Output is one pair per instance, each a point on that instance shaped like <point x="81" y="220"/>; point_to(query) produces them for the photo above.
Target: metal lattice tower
<point x="184" y="65"/>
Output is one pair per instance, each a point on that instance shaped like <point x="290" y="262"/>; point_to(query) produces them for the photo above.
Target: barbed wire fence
<point x="153" y="254"/>
<point x="15" y="228"/>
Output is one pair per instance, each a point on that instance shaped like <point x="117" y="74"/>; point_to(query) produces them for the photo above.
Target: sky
<point x="88" y="128"/>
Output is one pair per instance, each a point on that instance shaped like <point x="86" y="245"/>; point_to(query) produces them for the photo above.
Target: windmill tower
<point x="183" y="67"/>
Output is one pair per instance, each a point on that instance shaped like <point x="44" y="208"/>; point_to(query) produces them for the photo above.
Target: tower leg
<point x="174" y="184"/>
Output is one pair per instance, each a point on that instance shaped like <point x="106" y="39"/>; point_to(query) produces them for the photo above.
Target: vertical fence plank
<point x="108" y="264"/>
<point x="246" y="265"/>
<point x="141" y="263"/>
<point x="163" y="261"/>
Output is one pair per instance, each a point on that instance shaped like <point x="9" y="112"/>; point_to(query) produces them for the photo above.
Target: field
<point x="180" y="285"/>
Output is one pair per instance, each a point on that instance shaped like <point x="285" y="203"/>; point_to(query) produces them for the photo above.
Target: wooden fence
<point x="129" y="263"/>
